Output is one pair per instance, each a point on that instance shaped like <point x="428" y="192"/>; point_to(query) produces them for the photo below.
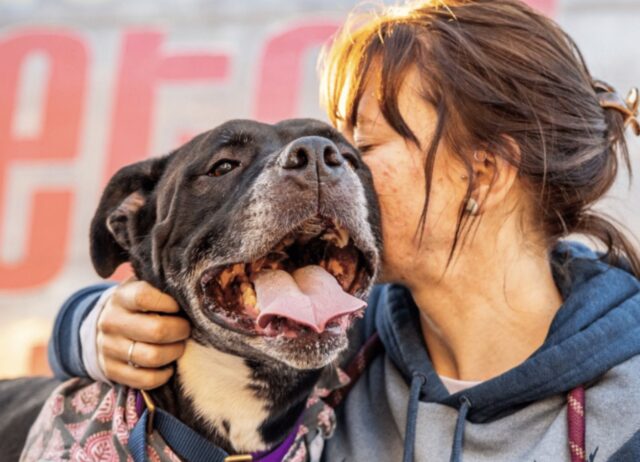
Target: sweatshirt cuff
<point x="89" y="337"/>
<point x="65" y="354"/>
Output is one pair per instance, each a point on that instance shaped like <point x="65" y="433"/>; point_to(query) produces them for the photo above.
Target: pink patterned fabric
<point x="85" y="421"/>
<point x="88" y="421"/>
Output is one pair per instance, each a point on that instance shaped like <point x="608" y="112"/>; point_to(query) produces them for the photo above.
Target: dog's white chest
<point x="218" y="384"/>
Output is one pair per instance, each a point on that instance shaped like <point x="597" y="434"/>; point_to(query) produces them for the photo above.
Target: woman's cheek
<point x="400" y="206"/>
<point x="386" y="174"/>
<point x="400" y="213"/>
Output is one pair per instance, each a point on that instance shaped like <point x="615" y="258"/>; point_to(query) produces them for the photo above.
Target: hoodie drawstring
<point x="418" y="380"/>
<point x="458" y="436"/>
<point x="577" y="424"/>
<point x="373" y="346"/>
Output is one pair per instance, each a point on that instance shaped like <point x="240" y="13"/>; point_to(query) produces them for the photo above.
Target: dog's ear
<point x="124" y="214"/>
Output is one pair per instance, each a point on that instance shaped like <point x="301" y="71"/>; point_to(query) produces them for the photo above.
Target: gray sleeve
<point x="629" y="452"/>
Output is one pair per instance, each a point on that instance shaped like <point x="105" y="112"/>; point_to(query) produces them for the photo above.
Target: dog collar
<point x="185" y="442"/>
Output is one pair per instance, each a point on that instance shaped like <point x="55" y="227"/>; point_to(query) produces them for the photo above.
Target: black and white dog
<point x="268" y="236"/>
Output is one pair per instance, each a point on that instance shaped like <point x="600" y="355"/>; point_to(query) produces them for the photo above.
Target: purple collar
<point x="278" y="453"/>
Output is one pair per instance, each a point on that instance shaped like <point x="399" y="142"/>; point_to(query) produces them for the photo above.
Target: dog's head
<point x="263" y="233"/>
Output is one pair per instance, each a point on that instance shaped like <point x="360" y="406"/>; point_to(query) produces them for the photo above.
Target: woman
<point x="489" y="142"/>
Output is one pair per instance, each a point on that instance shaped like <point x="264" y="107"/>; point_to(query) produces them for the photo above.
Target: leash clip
<point x="151" y="408"/>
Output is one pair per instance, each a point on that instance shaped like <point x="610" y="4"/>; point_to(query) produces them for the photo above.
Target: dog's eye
<point x="222" y="167"/>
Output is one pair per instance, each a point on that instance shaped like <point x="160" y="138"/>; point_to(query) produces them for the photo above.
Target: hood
<point x="596" y="328"/>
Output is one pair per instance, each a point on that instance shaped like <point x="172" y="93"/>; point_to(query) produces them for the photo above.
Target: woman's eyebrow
<point x="364" y="120"/>
<point x="368" y="122"/>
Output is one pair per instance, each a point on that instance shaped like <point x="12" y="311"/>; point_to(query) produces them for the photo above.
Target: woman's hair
<point x="496" y="72"/>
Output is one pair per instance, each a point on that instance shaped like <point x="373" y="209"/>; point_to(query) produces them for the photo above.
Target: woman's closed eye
<point x="365" y="144"/>
<point x="364" y="148"/>
<point x="370" y="139"/>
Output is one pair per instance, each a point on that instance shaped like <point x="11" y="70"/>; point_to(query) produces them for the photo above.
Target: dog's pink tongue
<point x="310" y="296"/>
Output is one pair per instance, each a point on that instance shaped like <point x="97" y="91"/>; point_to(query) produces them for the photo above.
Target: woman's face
<point x="397" y="166"/>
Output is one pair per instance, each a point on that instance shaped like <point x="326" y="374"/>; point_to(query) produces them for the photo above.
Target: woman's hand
<point x="138" y="312"/>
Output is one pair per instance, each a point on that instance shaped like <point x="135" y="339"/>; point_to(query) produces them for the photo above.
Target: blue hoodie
<point x="594" y="340"/>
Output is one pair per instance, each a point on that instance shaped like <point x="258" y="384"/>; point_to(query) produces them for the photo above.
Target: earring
<point x="472" y="207"/>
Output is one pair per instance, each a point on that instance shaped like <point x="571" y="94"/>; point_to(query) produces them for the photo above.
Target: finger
<point x="143" y="354"/>
<point x="143" y="327"/>
<point x="142" y="296"/>
<point x="141" y="378"/>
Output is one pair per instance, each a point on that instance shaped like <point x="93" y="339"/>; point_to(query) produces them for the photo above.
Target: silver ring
<point x="130" y="355"/>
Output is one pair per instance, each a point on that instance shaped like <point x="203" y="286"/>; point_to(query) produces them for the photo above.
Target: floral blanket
<point x="85" y="421"/>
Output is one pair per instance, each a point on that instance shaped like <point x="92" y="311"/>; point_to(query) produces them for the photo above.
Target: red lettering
<point x="281" y="69"/>
<point x="57" y="140"/>
<point x="141" y="70"/>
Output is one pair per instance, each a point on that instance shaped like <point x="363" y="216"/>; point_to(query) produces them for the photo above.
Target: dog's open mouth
<point x="306" y="285"/>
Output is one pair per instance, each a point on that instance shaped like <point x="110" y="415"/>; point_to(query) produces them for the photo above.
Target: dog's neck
<point x="218" y="385"/>
<point x="239" y="405"/>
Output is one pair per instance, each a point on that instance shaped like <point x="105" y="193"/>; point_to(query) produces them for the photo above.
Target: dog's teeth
<point x="225" y="278"/>
<point x="229" y="274"/>
<point x="270" y="330"/>
<point x="248" y="297"/>
<point x="238" y="271"/>
<point x="256" y="266"/>
<point x="335" y="268"/>
<point x="274" y="265"/>
<point x="338" y="236"/>
<point x="291" y="329"/>
<point x="310" y="229"/>
<point x="277" y="256"/>
<point x="343" y="237"/>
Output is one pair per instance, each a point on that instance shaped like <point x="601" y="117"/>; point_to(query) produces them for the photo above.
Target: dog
<point x="269" y="238"/>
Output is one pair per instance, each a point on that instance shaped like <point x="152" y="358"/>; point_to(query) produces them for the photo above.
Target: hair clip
<point x="610" y="99"/>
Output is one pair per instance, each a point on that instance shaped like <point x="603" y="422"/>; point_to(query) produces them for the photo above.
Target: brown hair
<point x="495" y="70"/>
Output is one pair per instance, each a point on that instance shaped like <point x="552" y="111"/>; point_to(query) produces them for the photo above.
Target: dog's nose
<point x="313" y="153"/>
